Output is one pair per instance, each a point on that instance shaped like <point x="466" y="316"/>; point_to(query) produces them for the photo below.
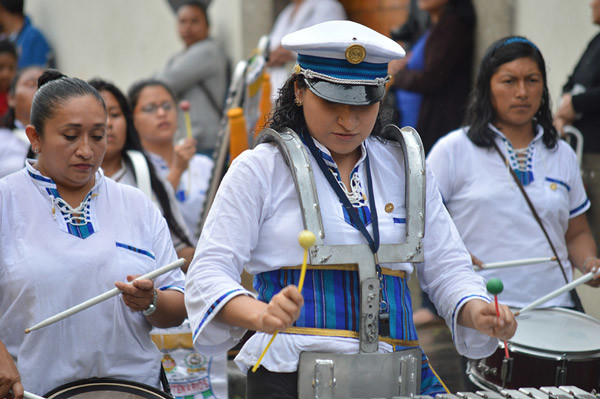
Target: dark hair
<point x="481" y="112"/>
<point x="195" y="3"/>
<point x="137" y="87"/>
<point x="287" y="114"/>
<point x="13" y="6"/>
<point x="54" y="89"/>
<point x="463" y="9"/>
<point x="6" y="46"/>
<point x="132" y="142"/>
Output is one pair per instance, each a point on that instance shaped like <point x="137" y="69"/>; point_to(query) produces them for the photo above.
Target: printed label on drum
<point x="190" y="374"/>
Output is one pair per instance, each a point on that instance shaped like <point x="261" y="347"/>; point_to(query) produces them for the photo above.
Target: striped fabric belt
<point x="332" y="301"/>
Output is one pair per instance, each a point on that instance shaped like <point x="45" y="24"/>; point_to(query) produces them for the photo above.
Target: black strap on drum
<point x="163" y="380"/>
<point x="574" y="295"/>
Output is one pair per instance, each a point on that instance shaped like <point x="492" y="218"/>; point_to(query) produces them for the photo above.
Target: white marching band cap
<point x="343" y="61"/>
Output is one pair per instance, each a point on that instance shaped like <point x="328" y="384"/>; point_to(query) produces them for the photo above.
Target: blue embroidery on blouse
<point x="458" y="305"/>
<point x="212" y="309"/>
<point x="562" y="183"/>
<point x="399" y="220"/>
<point x="81" y="231"/>
<point x="362" y="207"/>
<point x="580" y="207"/>
<point x="134" y="249"/>
<point x="40" y="177"/>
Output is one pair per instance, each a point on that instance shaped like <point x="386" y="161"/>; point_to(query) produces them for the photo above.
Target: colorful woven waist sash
<point x="332" y="301"/>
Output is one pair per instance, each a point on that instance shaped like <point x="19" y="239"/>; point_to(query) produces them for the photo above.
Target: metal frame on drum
<point x="86" y="387"/>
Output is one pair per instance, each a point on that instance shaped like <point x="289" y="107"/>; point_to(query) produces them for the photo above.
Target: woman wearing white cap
<point x="332" y="101"/>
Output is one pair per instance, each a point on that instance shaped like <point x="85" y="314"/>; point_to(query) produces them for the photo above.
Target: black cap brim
<point x="346" y="93"/>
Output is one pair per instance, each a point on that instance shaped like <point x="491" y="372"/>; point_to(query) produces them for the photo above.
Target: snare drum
<point x="551" y="347"/>
<point x="105" y="388"/>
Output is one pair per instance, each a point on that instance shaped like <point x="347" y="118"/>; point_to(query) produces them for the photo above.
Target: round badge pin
<point x="553" y="186"/>
<point x="355" y="53"/>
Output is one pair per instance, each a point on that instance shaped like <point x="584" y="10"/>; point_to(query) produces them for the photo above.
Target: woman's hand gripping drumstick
<point x="103" y="297"/>
<point x="494" y="287"/>
<point x="306" y="239"/>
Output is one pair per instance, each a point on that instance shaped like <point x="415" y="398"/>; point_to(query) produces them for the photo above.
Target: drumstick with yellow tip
<point x="306" y="239"/>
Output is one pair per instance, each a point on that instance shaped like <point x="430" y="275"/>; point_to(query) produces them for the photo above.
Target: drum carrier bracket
<point x="325" y="366"/>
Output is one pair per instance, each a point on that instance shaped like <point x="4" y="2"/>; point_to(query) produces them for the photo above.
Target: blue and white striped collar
<point x="538" y="135"/>
<point x="326" y="154"/>
<point x="44" y="182"/>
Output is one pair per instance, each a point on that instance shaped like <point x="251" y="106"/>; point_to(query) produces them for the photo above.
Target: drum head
<point x="101" y="388"/>
<point x="557" y="330"/>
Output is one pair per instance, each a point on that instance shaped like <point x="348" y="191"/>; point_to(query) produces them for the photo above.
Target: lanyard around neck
<point x="352" y="212"/>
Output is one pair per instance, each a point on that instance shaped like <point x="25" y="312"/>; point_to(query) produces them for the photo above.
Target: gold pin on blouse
<point x="553" y="186"/>
<point x="389" y="207"/>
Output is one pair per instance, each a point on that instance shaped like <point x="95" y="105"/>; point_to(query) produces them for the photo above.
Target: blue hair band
<point x="517" y="39"/>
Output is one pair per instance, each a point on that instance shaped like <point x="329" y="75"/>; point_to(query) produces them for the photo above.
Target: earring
<point x="36" y="150"/>
<point x="297" y="102"/>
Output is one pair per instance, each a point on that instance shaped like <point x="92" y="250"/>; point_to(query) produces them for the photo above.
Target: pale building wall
<point x="124" y="41"/>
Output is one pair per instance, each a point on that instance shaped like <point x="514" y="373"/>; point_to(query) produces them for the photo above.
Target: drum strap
<point x="163" y="380"/>
<point x="574" y="295"/>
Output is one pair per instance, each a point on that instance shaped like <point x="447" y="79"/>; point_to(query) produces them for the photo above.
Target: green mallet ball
<point x="494" y="286"/>
<point x="306" y="239"/>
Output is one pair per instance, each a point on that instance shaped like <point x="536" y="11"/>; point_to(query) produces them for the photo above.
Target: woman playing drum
<point x="68" y="234"/>
<point x="333" y="102"/>
<point x="510" y="109"/>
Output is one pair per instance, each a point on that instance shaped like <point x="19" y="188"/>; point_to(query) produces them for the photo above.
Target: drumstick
<point x="494" y="287"/>
<point x="103" y="297"/>
<point x="306" y="239"/>
<point x="185" y="107"/>
<point x="568" y="287"/>
<point x="511" y="263"/>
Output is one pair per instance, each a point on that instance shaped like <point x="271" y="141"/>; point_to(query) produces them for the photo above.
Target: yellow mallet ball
<point x="306" y="239"/>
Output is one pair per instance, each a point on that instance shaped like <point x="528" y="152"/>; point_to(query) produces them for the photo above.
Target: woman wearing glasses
<point x="155" y="118"/>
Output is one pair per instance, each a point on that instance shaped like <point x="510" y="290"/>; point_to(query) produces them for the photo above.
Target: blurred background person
<point x="434" y="80"/>
<point x="199" y="74"/>
<point x="580" y="107"/>
<point x="155" y="119"/>
<point x="8" y="69"/>
<point x="125" y="162"/>
<point x="298" y="14"/>
<point x="32" y="46"/>
<point x="15" y="146"/>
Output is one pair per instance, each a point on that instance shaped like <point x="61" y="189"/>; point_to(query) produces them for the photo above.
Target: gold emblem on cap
<point x="553" y="186"/>
<point x="389" y="207"/>
<point x="297" y="69"/>
<point x="355" y="53"/>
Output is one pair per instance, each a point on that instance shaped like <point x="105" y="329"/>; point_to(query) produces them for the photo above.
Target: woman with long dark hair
<point x="125" y="162"/>
<point x="509" y="112"/>
<point x="332" y="102"/>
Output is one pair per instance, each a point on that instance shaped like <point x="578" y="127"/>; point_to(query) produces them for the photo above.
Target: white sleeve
<point x="578" y="199"/>
<point x="447" y="275"/>
<point x="229" y="235"/>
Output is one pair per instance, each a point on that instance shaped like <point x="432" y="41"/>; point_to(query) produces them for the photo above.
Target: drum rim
<point x="554" y="354"/>
<point x="134" y="386"/>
